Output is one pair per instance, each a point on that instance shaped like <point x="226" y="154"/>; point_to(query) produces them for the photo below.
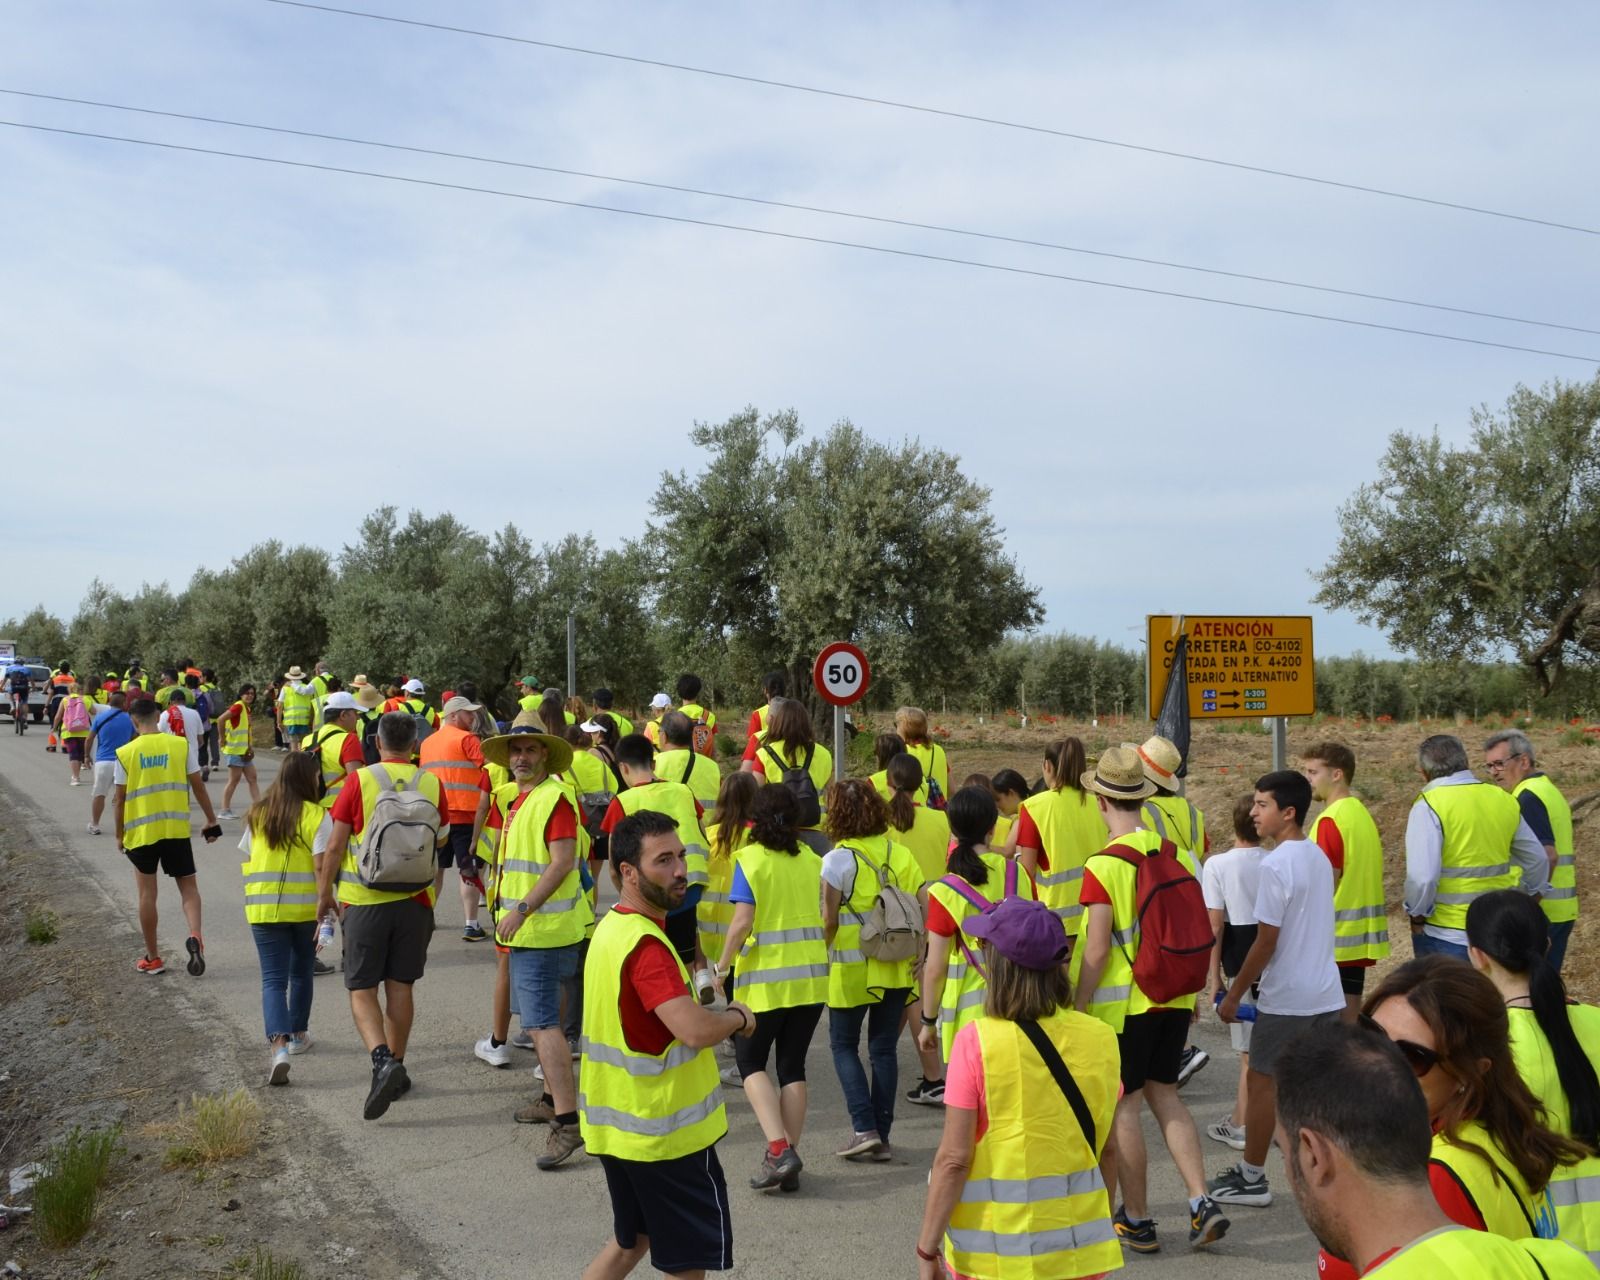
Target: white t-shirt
<point x="193" y="729"/>
<point x="1230" y="880"/>
<point x="839" y="868"/>
<point x="1296" y="897"/>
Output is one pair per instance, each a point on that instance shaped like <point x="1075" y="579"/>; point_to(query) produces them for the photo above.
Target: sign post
<point x="841" y="675"/>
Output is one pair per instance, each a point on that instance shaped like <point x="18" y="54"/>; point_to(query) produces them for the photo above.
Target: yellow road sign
<point x="1237" y="666"/>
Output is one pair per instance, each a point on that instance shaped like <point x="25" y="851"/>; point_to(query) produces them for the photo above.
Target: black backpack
<point x="808" y="805"/>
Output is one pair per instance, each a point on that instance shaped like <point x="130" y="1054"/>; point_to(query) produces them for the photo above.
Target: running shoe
<point x="150" y="964"/>
<point x="1207" y="1224"/>
<point x="227" y="815"/>
<point x="1194" y="1058"/>
<point x="320" y="968"/>
<point x="299" y="1043"/>
<point x="197" y="955"/>
<point x="522" y="1040"/>
<point x="92" y="829"/>
<point x="387" y="1082"/>
<point x="1140" y="1237"/>
<point x="473" y="933"/>
<point x="1227" y="1133"/>
<point x="860" y="1144"/>
<point x="279" y="1072"/>
<point x="496" y="1055"/>
<point x="928" y="1093"/>
<point x="1232" y="1186"/>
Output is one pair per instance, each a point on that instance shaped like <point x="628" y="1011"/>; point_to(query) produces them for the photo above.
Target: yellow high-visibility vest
<point x="280" y="882"/>
<point x="1479" y="822"/>
<point x="1034" y="1206"/>
<point x="965" y="983"/>
<point x="1178" y="820"/>
<point x="328" y="744"/>
<point x="1464" y="1254"/>
<point x="157" y="805"/>
<point x="715" y="912"/>
<point x="296" y="708"/>
<point x="775" y="757"/>
<point x="676" y="801"/>
<point x="1560" y="900"/>
<point x="236" y="737"/>
<point x="853" y="978"/>
<point x="697" y="772"/>
<point x="1503" y="1199"/>
<point x="784" y="962"/>
<point x="639" y="1106"/>
<point x="1070" y="825"/>
<point x="561" y="920"/>
<point x="928" y="838"/>
<point x="1360" y="924"/>
<point x="935" y="763"/>
<point x="351" y="891"/>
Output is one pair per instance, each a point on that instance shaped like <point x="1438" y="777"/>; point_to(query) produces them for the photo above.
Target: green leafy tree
<point x="1486" y="549"/>
<point x="39" y="634"/>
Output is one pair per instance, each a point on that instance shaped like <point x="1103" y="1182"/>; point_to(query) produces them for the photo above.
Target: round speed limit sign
<point x="841" y="674"/>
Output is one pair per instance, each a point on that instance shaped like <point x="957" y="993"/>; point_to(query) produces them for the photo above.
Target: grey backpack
<point x="892" y="930"/>
<point x="397" y="843"/>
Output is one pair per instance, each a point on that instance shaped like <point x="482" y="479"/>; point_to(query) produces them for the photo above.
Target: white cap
<point x="414" y="686"/>
<point x="660" y="702"/>
<point x="340" y="701"/>
<point x="589" y="726"/>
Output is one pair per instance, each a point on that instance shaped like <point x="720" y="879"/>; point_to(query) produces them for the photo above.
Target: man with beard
<point x="651" y="1107"/>
<point x="1354" y="1132"/>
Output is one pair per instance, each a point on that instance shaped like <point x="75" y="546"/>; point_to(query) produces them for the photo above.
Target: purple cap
<point x="1025" y="932"/>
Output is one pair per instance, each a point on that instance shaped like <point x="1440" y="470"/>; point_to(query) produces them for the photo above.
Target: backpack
<point x="397" y="844"/>
<point x="1175" y="937"/>
<point x="313" y="746"/>
<point x="702" y="739"/>
<point x="420" y="719"/>
<point x="797" y="778"/>
<point x="175" y="719"/>
<point x="965" y="890"/>
<point x="75" y="717"/>
<point x="202" y="705"/>
<point x="892" y="930"/>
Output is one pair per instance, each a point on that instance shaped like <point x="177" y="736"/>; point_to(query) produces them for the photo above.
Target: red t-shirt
<point x="616" y="813"/>
<point x="231" y="719"/>
<point x="350" y="752"/>
<point x="752" y="748"/>
<point x="1028" y="837"/>
<point x="349" y="810"/>
<point x="1331" y="843"/>
<point x="650" y="978"/>
<point x="754" y="727"/>
<point x="1452" y="1198"/>
<point x="563" y="823"/>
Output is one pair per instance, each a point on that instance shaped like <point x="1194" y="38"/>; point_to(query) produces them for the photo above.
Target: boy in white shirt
<point x="1291" y="960"/>
<point x="1230" y="881"/>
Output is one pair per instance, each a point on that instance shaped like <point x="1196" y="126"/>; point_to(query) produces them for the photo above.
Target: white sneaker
<point x="92" y="829"/>
<point x="227" y="815"/>
<point x="538" y="1071"/>
<point x="299" y="1044"/>
<point x="1228" y="1133"/>
<point x="279" y="1074"/>
<point x="496" y="1055"/>
<point x="731" y="1077"/>
<point x="76" y="782"/>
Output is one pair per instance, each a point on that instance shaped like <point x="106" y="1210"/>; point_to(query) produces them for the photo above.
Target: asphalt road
<point x="453" y="1166"/>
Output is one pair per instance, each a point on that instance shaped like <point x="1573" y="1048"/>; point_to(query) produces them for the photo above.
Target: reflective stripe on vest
<point x="1360" y="923"/>
<point x="1176" y="819"/>
<point x="561" y="919"/>
<point x="853" y="978"/>
<point x="236" y="737"/>
<point x="1070" y="829"/>
<point x="444" y="755"/>
<point x="156" y="765"/>
<point x="1479" y="822"/>
<point x="637" y="1106"/>
<point x="280" y="884"/>
<point x="296" y="708"/>
<point x="1560" y="900"/>
<point x="677" y="802"/>
<point x="1574" y="1189"/>
<point x="715" y="912"/>
<point x="784" y="961"/>
<point x="965" y="985"/>
<point x="1034" y="1204"/>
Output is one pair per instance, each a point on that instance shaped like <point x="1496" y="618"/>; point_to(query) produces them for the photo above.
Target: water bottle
<point x="324" y="934"/>
<point x="1247" y="1011"/>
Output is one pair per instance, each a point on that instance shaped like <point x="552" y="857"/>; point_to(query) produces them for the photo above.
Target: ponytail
<point x="972" y="813"/>
<point x="905" y="780"/>
<point x="1067" y="763"/>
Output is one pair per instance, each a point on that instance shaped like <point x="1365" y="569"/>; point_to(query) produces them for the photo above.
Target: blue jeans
<point x="1560" y="935"/>
<point x="286" y="952"/>
<point x="1425" y="944"/>
<point x="869" y="1111"/>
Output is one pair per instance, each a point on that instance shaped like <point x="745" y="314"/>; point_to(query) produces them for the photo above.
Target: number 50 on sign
<point x="841" y="674"/>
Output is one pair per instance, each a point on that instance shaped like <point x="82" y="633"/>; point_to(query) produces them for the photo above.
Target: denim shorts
<point x="233" y="762"/>
<point x="536" y="977"/>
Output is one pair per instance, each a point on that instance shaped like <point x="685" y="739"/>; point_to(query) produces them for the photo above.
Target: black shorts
<point x="681" y="931"/>
<point x="457" y="851"/>
<point x="1353" y="978"/>
<point x="789" y="1031"/>
<point x="680" y="1205"/>
<point x="385" y="942"/>
<point x="175" y="857"/>
<point x="1151" y="1045"/>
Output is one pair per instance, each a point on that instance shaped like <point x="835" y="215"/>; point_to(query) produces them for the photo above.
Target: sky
<point x="201" y="353"/>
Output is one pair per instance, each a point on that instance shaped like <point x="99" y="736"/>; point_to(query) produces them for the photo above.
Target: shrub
<point x="216" y="1127"/>
<point x="42" y="925"/>
<point x="65" y="1193"/>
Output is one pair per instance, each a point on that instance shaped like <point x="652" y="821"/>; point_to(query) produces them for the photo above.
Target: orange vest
<point x="444" y="755"/>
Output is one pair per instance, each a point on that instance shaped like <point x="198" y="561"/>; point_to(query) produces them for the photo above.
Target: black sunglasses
<point x="1420" y="1060"/>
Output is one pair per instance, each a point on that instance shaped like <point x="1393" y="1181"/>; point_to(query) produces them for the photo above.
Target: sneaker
<point x="1232" y="1187"/>
<point x="405" y="1080"/>
<point x="197" y="955"/>
<point x="473" y="933"/>
<point x="778" y="1171"/>
<point x="536" y="1112"/>
<point x="928" y="1093"/>
<point x="883" y="1155"/>
<point x="1194" y="1058"/>
<point x="789" y="1165"/>
<point x="320" y="968"/>
<point x="1207" y="1224"/>
<point x="150" y="964"/>
<point x="299" y="1043"/>
<point x="227" y="815"/>
<point x="859" y="1144"/>
<point x="92" y="829"/>
<point x="575" y="1048"/>
<point x="388" y="1078"/>
<point x="279" y="1073"/>
<point x="496" y="1055"/>
<point x="1227" y="1133"/>
<point x="1141" y="1238"/>
<point x="730" y="1076"/>
<point x="522" y="1040"/>
<point x="564" y="1139"/>
<point x="76" y="782"/>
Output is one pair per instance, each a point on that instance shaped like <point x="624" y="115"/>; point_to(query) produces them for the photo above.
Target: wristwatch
<point x="522" y="907"/>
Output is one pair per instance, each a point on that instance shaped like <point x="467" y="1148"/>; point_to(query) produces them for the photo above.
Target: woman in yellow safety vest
<point x="776" y="934"/>
<point x="1058" y="829"/>
<point x="791" y="743"/>
<point x="1010" y="790"/>
<point x="736" y="803"/>
<point x="925" y="831"/>
<point x="885" y="747"/>
<point x="911" y="723"/>
<point x="285" y="833"/>
<point x="1016" y="1191"/>
<point x="1555" y="1045"/>
<point x="1493" y="1155"/>
<point x="74" y="720"/>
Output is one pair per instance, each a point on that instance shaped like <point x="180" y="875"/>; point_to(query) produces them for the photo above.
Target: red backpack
<point x="1175" y="936"/>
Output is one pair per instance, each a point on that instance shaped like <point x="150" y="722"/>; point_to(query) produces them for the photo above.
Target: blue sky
<point x="276" y="351"/>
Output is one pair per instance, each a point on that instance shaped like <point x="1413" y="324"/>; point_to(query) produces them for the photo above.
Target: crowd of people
<point x="1046" y="947"/>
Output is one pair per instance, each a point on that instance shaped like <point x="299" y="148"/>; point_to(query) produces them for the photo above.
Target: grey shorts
<point x="1273" y="1031"/>
<point x="385" y="942"/>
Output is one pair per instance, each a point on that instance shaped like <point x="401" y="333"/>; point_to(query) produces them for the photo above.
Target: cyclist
<point x="19" y="685"/>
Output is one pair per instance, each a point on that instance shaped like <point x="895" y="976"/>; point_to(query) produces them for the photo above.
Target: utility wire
<point x="801" y="208"/>
<point x="940" y="111"/>
<point x="797" y="237"/>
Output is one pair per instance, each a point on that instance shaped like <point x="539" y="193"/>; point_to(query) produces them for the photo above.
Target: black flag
<point x="1172" y="722"/>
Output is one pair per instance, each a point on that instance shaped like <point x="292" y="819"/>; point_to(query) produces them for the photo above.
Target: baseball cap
<point x="1025" y="932"/>
<point x="414" y="686"/>
<point x="341" y="701"/>
<point x="459" y="703"/>
<point x="660" y="702"/>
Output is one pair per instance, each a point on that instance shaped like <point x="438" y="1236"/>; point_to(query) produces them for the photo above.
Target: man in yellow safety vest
<point x="1508" y="756"/>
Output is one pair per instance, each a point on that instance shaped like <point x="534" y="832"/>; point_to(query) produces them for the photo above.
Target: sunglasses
<point x="1420" y="1060"/>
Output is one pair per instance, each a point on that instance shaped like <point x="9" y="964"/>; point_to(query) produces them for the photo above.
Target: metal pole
<point x="1280" y="743"/>
<point x="838" y="743"/>
<point x="572" y="655"/>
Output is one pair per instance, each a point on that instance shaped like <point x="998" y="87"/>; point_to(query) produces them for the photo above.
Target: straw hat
<point x="497" y="750"/>
<point x="1119" y="775"/>
<point x="368" y="698"/>
<point x="294" y="673"/>
<point x="1161" y="762"/>
<point x="359" y="682"/>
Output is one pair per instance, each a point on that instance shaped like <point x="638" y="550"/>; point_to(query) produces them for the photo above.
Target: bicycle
<point x="19" y="711"/>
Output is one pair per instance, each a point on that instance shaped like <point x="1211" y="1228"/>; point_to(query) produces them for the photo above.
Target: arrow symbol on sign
<point x="1234" y="706"/>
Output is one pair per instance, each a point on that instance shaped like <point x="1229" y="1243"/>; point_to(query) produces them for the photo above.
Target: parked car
<point x="38" y="692"/>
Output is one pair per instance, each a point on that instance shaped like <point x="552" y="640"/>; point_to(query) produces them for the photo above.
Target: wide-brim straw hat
<point x="1119" y="775"/>
<point x="368" y="698"/>
<point x="1160" y="760"/>
<point x="497" y="750"/>
<point x="359" y="682"/>
<point x="294" y="673"/>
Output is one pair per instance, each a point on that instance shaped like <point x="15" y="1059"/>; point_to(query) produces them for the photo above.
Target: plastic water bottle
<point x="324" y="934"/>
<point x="1247" y="1011"/>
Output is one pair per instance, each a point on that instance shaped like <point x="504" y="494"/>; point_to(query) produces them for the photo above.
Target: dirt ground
<point x="90" y="1042"/>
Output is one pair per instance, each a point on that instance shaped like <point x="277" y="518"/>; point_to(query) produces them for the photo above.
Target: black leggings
<point x="790" y="1030"/>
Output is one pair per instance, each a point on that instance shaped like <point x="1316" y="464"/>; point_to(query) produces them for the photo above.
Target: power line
<point x="799" y="238"/>
<point x="947" y="114"/>
<point x="802" y="208"/>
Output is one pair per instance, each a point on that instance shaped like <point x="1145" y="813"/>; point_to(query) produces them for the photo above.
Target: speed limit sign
<point x="841" y="674"/>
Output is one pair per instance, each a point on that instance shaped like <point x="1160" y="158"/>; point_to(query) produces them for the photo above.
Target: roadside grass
<point x="215" y="1127"/>
<point x="268" y="1267"/>
<point x="65" y="1193"/>
<point x="42" y="925"/>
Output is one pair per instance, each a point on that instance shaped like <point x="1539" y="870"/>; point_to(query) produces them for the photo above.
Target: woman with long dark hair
<point x="736" y="803"/>
<point x="925" y="831"/>
<point x="791" y="744"/>
<point x="1058" y="829"/>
